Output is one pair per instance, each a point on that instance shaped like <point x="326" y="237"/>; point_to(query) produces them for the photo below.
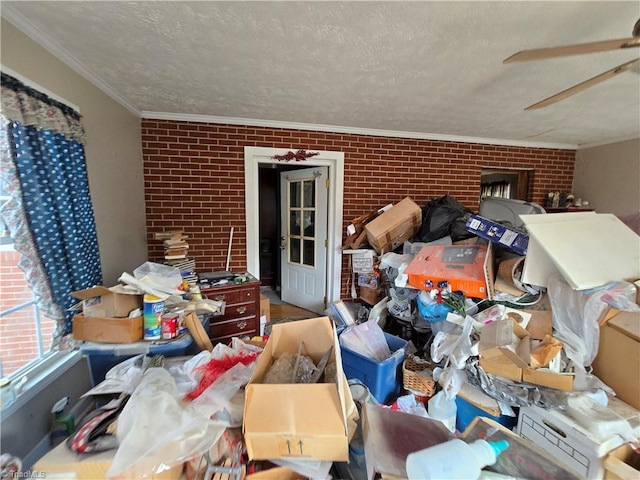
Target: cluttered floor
<point x="445" y="366"/>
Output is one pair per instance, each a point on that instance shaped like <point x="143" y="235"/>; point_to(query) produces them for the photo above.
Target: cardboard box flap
<point x="92" y="292"/>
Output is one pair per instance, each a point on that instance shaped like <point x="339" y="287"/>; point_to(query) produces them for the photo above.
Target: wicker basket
<point x="415" y="381"/>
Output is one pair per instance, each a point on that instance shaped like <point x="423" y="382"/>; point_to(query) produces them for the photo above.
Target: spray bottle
<point x="454" y="459"/>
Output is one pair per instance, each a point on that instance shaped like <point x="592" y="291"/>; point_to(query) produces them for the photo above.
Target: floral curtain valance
<point x="27" y="106"/>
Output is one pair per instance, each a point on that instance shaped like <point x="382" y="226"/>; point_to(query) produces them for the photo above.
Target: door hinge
<point x="324" y="300"/>
<point x="326" y="243"/>
<point x="326" y="183"/>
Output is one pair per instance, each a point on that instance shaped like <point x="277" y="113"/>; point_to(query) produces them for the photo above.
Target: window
<point x="48" y="242"/>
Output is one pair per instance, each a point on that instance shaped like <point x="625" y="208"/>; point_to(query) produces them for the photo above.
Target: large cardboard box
<point x="618" y="360"/>
<point x="299" y="421"/>
<point x="104" y="302"/>
<point x="498" y="233"/>
<point x="395" y="226"/>
<point x="107" y="330"/>
<point x="462" y="267"/>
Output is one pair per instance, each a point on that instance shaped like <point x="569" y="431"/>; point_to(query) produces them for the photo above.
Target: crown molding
<point x="584" y="146"/>
<point x="29" y="29"/>
<point x="183" y="117"/>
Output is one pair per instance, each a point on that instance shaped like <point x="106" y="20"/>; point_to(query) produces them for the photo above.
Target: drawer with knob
<point x="241" y="312"/>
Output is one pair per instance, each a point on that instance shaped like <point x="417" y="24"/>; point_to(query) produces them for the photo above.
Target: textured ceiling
<point x="432" y="68"/>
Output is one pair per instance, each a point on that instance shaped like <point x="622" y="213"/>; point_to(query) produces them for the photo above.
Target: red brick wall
<point x="194" y="179"/>
<point x="18" y="334"/>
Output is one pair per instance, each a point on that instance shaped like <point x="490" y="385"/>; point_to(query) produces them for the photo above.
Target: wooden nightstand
<point x="241" y="314"/>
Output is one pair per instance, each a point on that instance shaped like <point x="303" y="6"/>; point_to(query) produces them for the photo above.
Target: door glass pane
<point x="294" y="222"/>
<point x="310" y="193"/>
<point x="294" y="250"/>
<point x="294" y="194"/>
<point x="308" y="256"/>
<point x="309" y="224"/>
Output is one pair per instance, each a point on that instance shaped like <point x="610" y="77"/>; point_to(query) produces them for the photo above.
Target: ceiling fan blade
<point x="583" y="85"/>
<point x="578" y="49"/>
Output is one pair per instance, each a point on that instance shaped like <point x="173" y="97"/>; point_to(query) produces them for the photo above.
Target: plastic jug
<point x="454" y="459"/>
<point x="444" y="409"/>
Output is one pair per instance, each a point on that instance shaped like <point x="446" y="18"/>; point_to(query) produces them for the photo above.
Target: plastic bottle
<point x="153" y="308"/>
<point x="454" y="459"/>
<point x="444" y="409"/>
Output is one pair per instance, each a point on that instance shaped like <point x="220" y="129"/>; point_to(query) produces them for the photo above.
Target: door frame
<point x="253" y="157"/>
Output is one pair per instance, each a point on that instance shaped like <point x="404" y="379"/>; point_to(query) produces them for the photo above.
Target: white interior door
<point x="303" y="237"/>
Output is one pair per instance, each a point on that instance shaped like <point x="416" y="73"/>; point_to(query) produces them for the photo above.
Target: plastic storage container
<point x="467" y="412"/>
<point x="383" y="379"/>
<point x="103" y="356"/>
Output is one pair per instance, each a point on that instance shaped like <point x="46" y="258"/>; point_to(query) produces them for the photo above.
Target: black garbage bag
<point x="441" y="217"/>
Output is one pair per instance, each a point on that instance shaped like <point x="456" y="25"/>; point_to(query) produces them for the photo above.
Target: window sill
<point x="40" y="376"/>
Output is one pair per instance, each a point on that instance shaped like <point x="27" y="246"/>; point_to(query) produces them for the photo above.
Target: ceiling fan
<point x="579" y="49"/>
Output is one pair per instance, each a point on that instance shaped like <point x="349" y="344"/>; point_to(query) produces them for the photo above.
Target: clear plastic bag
<point x="155" y="412"/>
<point x="575" y="319"/>
<point x="366" y="339"/>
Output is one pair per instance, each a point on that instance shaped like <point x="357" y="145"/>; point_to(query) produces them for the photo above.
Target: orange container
<point x="461" y="267"/>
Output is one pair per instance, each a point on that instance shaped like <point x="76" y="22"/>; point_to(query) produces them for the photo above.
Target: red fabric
<point x="214" y="368"/>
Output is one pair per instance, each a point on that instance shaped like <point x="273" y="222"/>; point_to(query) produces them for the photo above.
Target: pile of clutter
<point x="453" y="285"/>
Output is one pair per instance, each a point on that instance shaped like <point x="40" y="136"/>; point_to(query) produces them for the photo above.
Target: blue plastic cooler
<point x="104" y="356"/>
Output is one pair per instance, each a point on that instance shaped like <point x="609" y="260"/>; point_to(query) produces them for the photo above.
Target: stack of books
<point x="176" y="251"/>
<point x="175" y="244"/>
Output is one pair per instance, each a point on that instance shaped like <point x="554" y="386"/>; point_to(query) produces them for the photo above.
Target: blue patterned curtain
<point x="49" y="215"/>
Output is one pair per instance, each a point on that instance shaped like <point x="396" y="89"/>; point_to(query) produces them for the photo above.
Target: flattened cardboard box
<point x="299" y="421"/>
<point x="395" y="226"/>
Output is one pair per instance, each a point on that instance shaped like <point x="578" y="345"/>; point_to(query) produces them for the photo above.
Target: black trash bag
<point x="439" y="216"/>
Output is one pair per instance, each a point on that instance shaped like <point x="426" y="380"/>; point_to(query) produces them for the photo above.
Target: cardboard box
<point x="395" y="226"/>
<point x="462" y="267"/>
<point x="299" y="421"/>
<point x="566" y="440"/>
<point x="497" y="359"/>
<point x="107" y="330"/>
<point x="498" y="233"/>
<point x="623" y="463"/>
<point x="61" y="462"/>
<point x="104" y="302"/>
<point x="618" y="360"/>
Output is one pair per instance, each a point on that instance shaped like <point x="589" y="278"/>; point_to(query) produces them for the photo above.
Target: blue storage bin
<point x="383" y="379"/>
<point x="104" y="356"/>
<point x="468" y="411"/>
